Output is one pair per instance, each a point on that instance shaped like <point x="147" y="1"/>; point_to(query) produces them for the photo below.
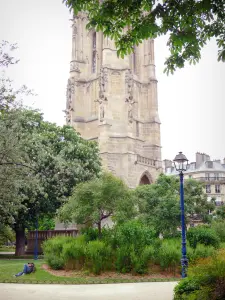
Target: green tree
<point x="60" y="159"/>
<point x="220" y="212"/>
<point x="99" y="199"/>
<point x="196" y="204"/>
<point x="40" y="162"/>
<point x="188" y="24"/>
<point x="159" y="203"/>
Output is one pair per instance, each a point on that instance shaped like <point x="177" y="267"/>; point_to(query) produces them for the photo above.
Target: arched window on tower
<point x="94" y="52"/>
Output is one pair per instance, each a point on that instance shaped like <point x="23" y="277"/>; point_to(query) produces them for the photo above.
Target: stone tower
<point x="114" y="102"/>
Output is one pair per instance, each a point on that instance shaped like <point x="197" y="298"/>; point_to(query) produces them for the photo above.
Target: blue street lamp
<point x="180" y="163"/>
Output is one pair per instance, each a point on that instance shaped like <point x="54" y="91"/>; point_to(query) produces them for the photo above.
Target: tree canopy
<point x="40" y="162"/>
<point x="98" y="199"/>
<point x="159" y="203"/>
<point x="188" y="24"/>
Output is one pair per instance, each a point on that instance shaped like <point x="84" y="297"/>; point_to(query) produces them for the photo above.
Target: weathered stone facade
<point x="114" y="101"/>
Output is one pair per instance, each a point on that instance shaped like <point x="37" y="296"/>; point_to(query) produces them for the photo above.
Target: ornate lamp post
<point x="180" y="163"/>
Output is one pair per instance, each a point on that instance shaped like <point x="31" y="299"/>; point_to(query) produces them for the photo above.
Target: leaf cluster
<point x="188" y="24"/>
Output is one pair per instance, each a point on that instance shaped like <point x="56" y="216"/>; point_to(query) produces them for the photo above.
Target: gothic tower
<point x="114" y="102"/>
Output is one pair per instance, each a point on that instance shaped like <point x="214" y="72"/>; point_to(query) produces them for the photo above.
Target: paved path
<point x="122" y="291"/>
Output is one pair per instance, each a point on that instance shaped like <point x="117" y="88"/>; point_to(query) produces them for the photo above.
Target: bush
<point x="140" y="262"/>
<point x="203" y="235"/>
<point x="73" y="253"/>
<point x="169" y="255"/>
<point x="55" y="262"/>
<point x="123" y="259"/>
<point x="90" y="234"/>
<point x="219" y="228"/>
<point x="98" y="255"/>
<point x="53" y="249"/>
<point x="134" y="233"/>
<point x="206" y="281"/>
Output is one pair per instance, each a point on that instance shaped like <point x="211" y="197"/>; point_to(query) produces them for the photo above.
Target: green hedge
<point x="129" y="247"/>
<point x="203" y="235"/>
<point x="205" y="281"/>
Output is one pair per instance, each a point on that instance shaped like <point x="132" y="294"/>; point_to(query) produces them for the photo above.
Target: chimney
<point x="217" y="161"/>
<point x="168" y="163"/>
<point x="200" y="158"/>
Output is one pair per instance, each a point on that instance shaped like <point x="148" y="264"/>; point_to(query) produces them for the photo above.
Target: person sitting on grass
<point x="27" y="269"/>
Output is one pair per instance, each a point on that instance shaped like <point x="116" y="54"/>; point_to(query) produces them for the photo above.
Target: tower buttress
<point x="114" y="101"/>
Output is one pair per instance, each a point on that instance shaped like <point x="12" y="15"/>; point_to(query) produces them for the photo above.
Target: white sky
<point x="191" y="102"/>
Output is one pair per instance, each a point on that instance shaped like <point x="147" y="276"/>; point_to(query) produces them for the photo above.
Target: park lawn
<point x="10" y="267"/>
<point x="7" y="249"/>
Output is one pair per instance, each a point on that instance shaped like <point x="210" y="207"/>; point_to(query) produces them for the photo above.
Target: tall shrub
<point x="73" y="253"/>
<point x="53" y="249"/>
<point x="98" y="256"/>
<point x="205" y="281"/>
<point x="202" y="235"/>
<point x="169" y="256"/>
<point x="219" y="228"/>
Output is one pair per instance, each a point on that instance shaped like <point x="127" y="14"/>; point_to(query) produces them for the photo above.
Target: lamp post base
<point x="184" y="264"/>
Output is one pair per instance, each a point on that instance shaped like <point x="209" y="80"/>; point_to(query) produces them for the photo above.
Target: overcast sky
<point x="191" y="102"/>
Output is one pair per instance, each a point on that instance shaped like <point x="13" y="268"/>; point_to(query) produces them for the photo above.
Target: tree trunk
<point x="99" y="229"/>
<point x="20" y="241"/>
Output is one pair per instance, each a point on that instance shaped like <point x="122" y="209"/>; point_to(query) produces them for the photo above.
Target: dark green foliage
<point x="202" y="235"/>
<point x="123" y="259"/>
<point x="90" y="234"/>
<point x="201" y="251"/>
<point x="128" y="247"/>
<point x="159" y="204"/>
<point x="6" y="235"/>
<point x="206" y="281"/>
<point x="98" y="199"/>
<point x="220" y="212"/>
<point x="40" y="162"/>
<point x="169" y="255"/>
<point x="130" y="241"/>
<point x="188" y="25"/>
<point x="98" y="256"/>
<point x="219" y="228"/>
<point x="134" y="233"/>
<point x="140" y="261"/>
<point x="73" y="253"/>
<point x="55" y="262"/>
<point x="53" y="249"/>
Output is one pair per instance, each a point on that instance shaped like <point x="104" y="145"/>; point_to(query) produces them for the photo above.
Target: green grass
<point x="7" y="249"/>
<point x="8" y="268"/>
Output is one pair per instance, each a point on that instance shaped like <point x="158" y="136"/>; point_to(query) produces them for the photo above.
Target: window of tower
<point x="94" y="52"/>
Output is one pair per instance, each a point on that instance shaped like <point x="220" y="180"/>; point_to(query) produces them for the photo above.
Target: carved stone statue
<point x="131" y="102"/>
<point x="102" y="103"/>
<point x="129" y="82"/>
<point x="103" y="80"/>
<point x="69" y="93"/>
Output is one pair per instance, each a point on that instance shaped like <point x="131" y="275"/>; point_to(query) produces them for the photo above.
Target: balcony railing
<point x="146" y="161"/>
<point x="210" y="179"/>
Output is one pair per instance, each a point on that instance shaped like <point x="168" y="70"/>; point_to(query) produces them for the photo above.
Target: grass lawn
<point x="10" y="267"/>
<point x="7" y="249"/>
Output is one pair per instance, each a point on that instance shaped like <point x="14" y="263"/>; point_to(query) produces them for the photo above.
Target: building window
<point x="218" y="201"/>
<point x="216" y="176"/>
<point x="94" y="52"/>
<point x="207" y="176"/>
<point x="208" y="188"/>
<point x="217" y="188"/>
